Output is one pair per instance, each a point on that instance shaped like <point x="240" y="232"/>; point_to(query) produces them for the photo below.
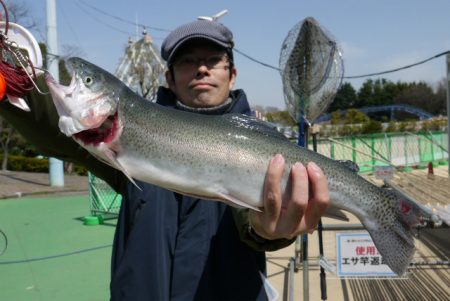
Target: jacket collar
<point x="239" y="103"/>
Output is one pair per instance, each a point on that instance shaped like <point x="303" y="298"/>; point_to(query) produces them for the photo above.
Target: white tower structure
<point x="142" y="68"/>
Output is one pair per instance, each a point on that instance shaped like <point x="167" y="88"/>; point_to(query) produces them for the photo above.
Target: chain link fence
<point x="396" y="149"/>
<point x="104" y="201"/>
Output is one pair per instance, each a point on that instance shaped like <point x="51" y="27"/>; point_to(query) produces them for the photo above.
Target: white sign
<point x="357" y="256"/>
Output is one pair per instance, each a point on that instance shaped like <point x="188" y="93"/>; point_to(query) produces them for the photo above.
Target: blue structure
<point x="392" y="108"/>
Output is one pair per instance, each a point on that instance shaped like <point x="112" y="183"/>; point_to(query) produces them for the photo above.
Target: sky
<point x="374" y="35"/>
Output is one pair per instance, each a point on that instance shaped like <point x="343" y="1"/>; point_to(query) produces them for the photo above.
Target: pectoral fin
<point x="237" y="202"/>
<point x="336" y="213"/>
<point x="222" y="197"/>
<point x="111" y="155"/>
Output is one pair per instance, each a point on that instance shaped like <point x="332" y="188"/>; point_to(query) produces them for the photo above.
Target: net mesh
<point x="103" y="199"/>
<point x="311" y="67"/>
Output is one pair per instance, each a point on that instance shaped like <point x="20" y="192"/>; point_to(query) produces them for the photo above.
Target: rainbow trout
<point x="222" y="158"/>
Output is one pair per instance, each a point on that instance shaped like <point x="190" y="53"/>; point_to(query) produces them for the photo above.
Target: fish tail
<point x="391" y="227"/>
<point x="395" y="243"/>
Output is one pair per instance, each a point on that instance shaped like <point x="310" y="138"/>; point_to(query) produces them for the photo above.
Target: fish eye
<point x="88" y="80"/>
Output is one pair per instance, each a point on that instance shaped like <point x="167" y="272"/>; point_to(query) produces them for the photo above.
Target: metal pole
<point x="291" y="296"/>
<point x="323" y="277"/>
<point x="56" y="167"/>
<point x="303" y="239"/>
<point x="305" y="265"/>
<point x="323" y="281"/>
<point x="448" y="109"/>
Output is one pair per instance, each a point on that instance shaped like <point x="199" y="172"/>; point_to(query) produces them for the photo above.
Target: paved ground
<point x="51" y="255"/>
<point x="17" y="184"/>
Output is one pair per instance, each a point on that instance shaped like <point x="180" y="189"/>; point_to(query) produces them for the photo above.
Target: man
<point x="169" y="246"/>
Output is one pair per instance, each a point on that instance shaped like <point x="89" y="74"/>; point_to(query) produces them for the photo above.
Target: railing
<point x="396" y="149"/>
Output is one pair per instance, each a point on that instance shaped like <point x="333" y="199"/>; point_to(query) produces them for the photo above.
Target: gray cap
<point x="210" y="30"/>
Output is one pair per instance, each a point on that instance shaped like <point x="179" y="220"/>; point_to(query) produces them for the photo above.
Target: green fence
<point x="103" y="199"/>
<point x="397" y="149"/>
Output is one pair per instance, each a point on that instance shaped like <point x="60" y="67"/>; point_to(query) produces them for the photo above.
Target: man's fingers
<point x="272" y="193"/>
<point x="298" y="199"/>
<point x="301" y="206"/>
<point x="319" y="195"/>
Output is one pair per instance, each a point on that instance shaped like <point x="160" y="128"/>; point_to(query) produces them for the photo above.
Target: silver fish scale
<point x="209" y="143"/>
<point x="203" y="145"/>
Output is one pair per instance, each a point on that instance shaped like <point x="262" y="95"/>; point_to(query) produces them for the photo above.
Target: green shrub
<point x="354" y="116"/>
<point x="391" y="127"/>
<point x="28" y="164"/>
<point x="433" y="124"/>
<point x="348" y="130"/>
<point x="20" y="163"/>
<point x="80" y="170"/>
<point x="335" y="117"/>
<point x="372" y="126"/>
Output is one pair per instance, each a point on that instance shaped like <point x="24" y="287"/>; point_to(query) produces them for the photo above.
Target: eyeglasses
<point x="191" y="62"/>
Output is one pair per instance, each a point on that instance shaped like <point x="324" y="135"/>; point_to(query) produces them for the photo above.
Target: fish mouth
<point x="58" y="88"/>
<point x="74" y="118"/>
<point x="105" y="133"/>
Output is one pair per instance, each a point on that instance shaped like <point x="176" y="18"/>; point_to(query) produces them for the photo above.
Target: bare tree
<point x="6" y="133"/>
<point x="18" y="12"/>
<point x="69" y="50"/>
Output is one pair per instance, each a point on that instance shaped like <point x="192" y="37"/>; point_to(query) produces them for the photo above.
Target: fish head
<point x="88" y="110"/>
<point x="87" y="107"/>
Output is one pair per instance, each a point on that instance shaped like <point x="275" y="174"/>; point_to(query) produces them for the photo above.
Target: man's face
<point x="201" y="75"/>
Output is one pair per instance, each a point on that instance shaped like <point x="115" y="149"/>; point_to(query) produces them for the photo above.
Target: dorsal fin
<point x="254" y="123"/>
<point x="350" y="165"/>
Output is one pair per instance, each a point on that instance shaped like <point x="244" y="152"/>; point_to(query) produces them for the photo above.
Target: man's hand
<point x="298" y="209"/>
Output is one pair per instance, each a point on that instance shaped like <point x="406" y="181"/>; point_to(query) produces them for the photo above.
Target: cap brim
<point x="194" y="37"/>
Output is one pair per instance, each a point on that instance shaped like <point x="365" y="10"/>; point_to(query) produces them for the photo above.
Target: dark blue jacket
<point x="172" y="247"/>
